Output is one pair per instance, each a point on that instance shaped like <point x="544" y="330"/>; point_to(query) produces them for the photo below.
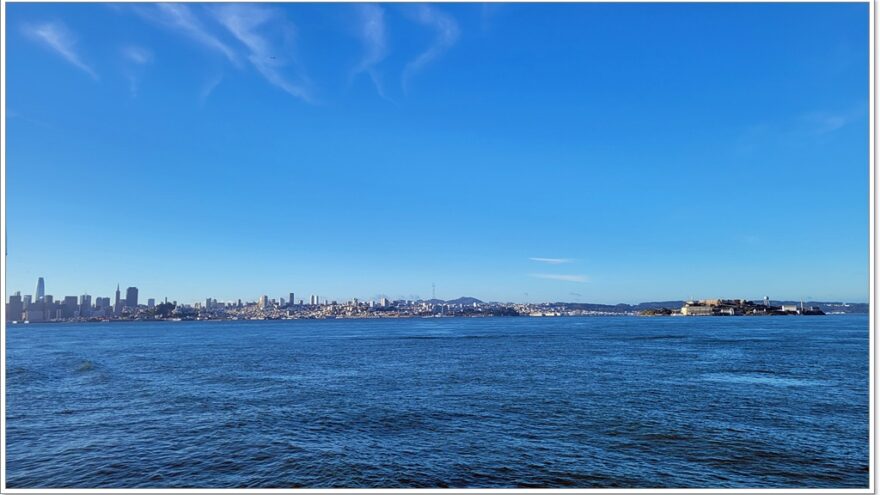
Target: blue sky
<point x="593" y="152"/>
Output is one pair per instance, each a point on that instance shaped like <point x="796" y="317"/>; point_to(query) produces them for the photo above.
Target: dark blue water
<point x="495" y="402"/>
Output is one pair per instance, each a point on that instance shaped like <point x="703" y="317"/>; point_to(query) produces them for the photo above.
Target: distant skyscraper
<point x="131" y="297"/>
<point x="14" y="308"/>
<point x="264" y="301"/>
<point x="69" y="307"/>
<point x="40" y="292"/>
<point x="290" y="299"/>
<point x="85" y="305"/>
<point x="151" y="302"/>
<point x="117" y="306"/>
<point x="27" y="300"/>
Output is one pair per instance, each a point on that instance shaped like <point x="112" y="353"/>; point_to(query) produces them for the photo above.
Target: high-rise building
<point x="40" y="291"/>
<point x="151" y="303"/>
<point x="290" y="299"/>
<point x="27" y="301"/>
<point x="131" y="297"/>
<point x="85" y="305"/>
<point x="117" y="303"/>
<point x="68" y="307"/>
<point x="35" y="312"/>
<point x="14" y="308"/>
<point x="264" y="301"/>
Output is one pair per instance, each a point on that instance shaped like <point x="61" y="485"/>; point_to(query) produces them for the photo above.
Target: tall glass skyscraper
<point x="40" y="292"/>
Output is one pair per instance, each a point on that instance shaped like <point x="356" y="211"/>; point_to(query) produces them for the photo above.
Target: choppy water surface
<point x="495" y="402"/>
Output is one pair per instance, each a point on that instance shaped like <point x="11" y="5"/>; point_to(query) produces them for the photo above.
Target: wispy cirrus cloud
<point x="209" y="88"/>
<point x="244" y="21"/>
<point x="818" y="123"/>
<point x="372" y="34"/>
<point x="553" y="261"/>
<point x="137" y="54"/>
<point x="57" y="37"/>
<point x="561" y="277"/>
<point x="179" y="17"/>
<point x="137" y="57"/>
<point x="447" y="33"/>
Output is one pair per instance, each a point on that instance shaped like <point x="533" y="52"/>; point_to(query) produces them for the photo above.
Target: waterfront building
<point x="40" y="291"/>
<point x="35" y="312"/>
<point x="85" y="305"/>
<point x="14" y="307"/>
<point x="69" y="307"/>
<point x="131" y="297"/>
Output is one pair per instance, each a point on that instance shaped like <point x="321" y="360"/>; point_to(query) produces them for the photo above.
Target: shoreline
<point x="361" y="318"/>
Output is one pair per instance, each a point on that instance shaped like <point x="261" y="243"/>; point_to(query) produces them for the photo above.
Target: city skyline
<point x="132" y="296"/>
<point x="514" y="153"/>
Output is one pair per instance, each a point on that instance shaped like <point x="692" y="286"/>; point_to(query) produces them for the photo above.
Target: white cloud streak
<point x="56" y="36"/>
<point x="209" y="88"/>
<point x="137" y="54"/>
<point x="447" y="34"/>
<point x="243" y="21"/>
<point x="138" y="57"/>
<point x="179" y="17"/>
<point x="561" y="277"/>
<point x="827" y="122"/>
<point x="553" y="261"/>
<point x="372" y="33"/>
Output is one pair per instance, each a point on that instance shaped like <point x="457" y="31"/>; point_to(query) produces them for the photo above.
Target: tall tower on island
<point x="40" y="291"/>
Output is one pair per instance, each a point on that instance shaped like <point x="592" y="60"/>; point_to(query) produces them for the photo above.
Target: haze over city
<point x="617" y="153"/>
